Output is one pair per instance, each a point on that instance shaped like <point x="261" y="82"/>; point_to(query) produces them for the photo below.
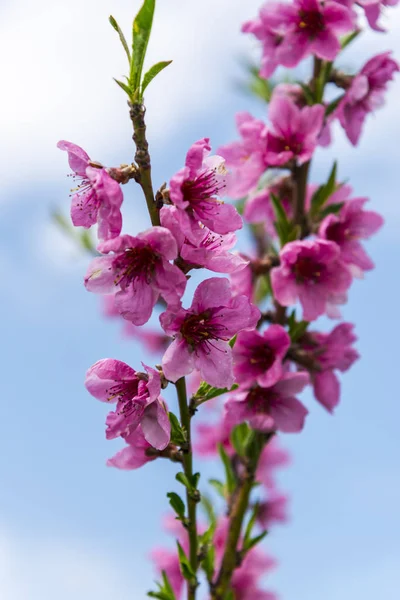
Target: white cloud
<point x="49" y="569"/>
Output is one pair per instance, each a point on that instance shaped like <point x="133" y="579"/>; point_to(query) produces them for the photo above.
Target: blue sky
<point x="70" y="527"/>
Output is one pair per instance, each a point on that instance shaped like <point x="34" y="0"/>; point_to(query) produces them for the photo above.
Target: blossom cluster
<point x="247" y="333"/>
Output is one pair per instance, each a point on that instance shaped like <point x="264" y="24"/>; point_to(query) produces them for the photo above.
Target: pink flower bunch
<point x="97" y="197"/>
<point x="137" y="398"/>
<point x="247" y="342"/>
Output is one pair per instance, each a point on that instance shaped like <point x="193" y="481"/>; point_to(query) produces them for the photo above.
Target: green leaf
<point x="208" y="392"/>
<point x="161" y="595"/>
<point x="308" y="94"/>
<point x="153" y="71"/>
<point x="209" y="509"/>
<point x="240" y="437"/>
<point x="218" y="487"/>
<point x="167" y="585"/>
<point x="250" y="525"/>
<point x="333" y="105"/>
<point x="332" y="209"/>
<point x="322" y="194"/>
<point x="208" y="562"/>
<point x="282" y="225"/>
<point x="186" y="568"/>
<point x="232" y="341"/>
<point x="297" y="329"/>
<point x="117" y="28"/>
<point x="181" y="477"/>
<point x="124" y="86"/>
<point x="254" y="541"/>
<point x="178" y="436"/>
<point x="347" y="39"/>
<point x="177" y="504"/>
<point x="140" y="39"/>
<point x="229" y="473"/>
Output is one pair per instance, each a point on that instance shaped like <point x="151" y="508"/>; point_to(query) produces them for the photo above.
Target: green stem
<point x="188" y="470"/>
<point x="142" y="159"/>
<point x="300" y="176"/>
<point x="240" y="504"/>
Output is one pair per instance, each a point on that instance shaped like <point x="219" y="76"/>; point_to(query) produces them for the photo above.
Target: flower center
<point x="258" y="400"/>
<point x="123" y="391"/>
<point x="311" y="22"/>
<point x="87" y="198"/>
<point x="263" y="357"/>
<point x="307" y="269"/>
<point x="338" y="232"/>
<point x="134" y="263"/>
<point x="199" y="329"/>
<point x="204" y="187"/>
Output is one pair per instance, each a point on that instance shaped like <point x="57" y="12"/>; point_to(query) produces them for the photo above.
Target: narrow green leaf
<point x="153" y="71"/>
<point x="208" y="562"/>
<point x="218" y="487"/>
<point x="209" y="509"/>
<point x="186" y="568"/>
<point x="347" y="39"/>
<point x="333" y="105"/>
<point x="181" y="477"/>
<point x="140" y="39"/>
<point x="195" y="480"/>
<point x="331" y="183"/>
<point x="308" y="94"/>
<point x="232" y="341"/>
<point x="167" y="585"/>
<point x="322" y="194"/>
<point x="177" y="504"/>
<point x="229" y="473"/>
<point x="250" y="525"/>
<point x="297" y="329"/>
<point x="208" y="392"/>
<point x="178" y="436"/>
<point x="117" y="28"/>
<point x="332" y="209"/>
<point x="240" y="436"/>
<point x="124" y="86"/>
<point x="280" y="212"/>
<point x="253" y="542"/>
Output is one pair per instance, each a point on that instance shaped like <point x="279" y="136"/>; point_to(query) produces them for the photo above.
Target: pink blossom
<point x="138" y="272"/>
<point x="194" y="190"/>
<point x="202" y="333"/>
<point x="168" y="561"/>
<point x="346" y="229"/>
<point x="272" y="456"/>
<point x="210" y="250"/>
<point x="289" y="32"/>
<point x="272" y="408"/>
<point x="97" y="198"/>
<point x="258" y="357"/>
<point x="246" y="578"/>
<point x="135" y="454"/>
<point x="258" y="207"/>
<point x="243" y="282"/>
<point x="137" y="398"/>
<point x="294" y="131"/>
<point x="365" y="94"/>
<point x="331" y="351"/>
<point x="154" y="341"/>
<point x="245" y="158"/>
<point x="312" y="272"/>
<point x="273" y="510"/>
<point x="373" y="10"/>
<point x="209" y="435"/>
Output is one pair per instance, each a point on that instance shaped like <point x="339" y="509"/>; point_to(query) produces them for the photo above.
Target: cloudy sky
<point x="70" y="527"/>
